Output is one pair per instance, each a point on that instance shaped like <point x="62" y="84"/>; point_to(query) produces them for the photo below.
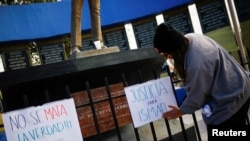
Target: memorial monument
<point x="96" y="31"/>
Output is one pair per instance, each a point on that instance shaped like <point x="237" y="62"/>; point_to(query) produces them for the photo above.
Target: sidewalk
<point x="145" y="133"/>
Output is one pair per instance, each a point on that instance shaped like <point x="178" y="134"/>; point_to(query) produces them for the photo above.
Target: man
<point x="76" y="14"/>
<point x="214" y="80"/>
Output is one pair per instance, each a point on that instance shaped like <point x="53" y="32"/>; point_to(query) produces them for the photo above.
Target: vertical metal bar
<point x="124" y="80"/>
<point x="3" y="106"/>
<point x="112" y="109"/>
<point x="241" y="61"/>
<point x="181" y="120"/>
<point x="46" y="94"/>
<point x="92" y="107"/>
<point x="248" y="63"/>
<point x="237" y="31"/>
<point x="155" y="74"/>
<point x="248" y="54"/>
<point x="1" y="102"/>
<point x="5" y="109"/>
<point x="170" y="136"/>
<point x="247" y="120"/>
<point x="153" y="131"/>
<point x="151" y="124"/>
<point x="196" y="127"/>
<point x="67" y="91"/>
<point x="183" y="129"/>
<point x="25" y="100"/>
<point x="93" y="111"/>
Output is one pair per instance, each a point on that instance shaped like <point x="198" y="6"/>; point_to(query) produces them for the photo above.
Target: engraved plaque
<point x="87" y="44"/>
<point x="102" y="109"/>
<point x="144" y="34"/>
<point x="116" y="38"/>
<point x="243" y="9"/>
<point x="213" y="16"/>
<point x="181" y="21"/>
<point x="16" y="60"/>
<point x="51" y="53"/>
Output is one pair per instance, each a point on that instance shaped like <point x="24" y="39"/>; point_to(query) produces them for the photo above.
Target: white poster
<point x="55" y="121"/>
<point x="147" y="101"/>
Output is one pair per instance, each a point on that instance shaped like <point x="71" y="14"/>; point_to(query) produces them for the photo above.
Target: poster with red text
<point x="54" y="121"/>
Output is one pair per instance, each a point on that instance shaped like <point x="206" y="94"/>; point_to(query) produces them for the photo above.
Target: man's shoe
<point x="74" y="52"/>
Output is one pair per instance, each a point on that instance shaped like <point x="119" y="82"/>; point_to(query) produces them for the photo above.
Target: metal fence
<point x="185" y="133"/>
<point x="30" y="88"/>
<point x="128" y="132"/>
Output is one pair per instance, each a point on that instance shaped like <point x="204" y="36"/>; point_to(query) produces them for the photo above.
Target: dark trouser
<point x="76" y="18"/>
<point x="238" y="119"/>
<point x="238" y="122"/>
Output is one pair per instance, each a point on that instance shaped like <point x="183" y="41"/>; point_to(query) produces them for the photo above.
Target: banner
<point x="147" y="101"/>
<point x="55" y="121"/>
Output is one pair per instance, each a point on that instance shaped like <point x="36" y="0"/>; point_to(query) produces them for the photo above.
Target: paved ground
<point x="145" y="132"/>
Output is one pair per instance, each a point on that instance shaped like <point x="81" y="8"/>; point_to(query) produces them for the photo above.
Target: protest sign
<point x="147" y="101"/>
<point x="54" y="121"/>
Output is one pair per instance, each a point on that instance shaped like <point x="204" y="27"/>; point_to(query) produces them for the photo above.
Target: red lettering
<point x="54" y="112"/>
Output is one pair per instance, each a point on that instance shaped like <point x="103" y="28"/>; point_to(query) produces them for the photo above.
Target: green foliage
<point x="225" y="37"/>
<point x="245" y="33"/>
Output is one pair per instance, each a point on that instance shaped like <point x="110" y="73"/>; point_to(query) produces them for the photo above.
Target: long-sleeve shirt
<point x="215" y="78"/>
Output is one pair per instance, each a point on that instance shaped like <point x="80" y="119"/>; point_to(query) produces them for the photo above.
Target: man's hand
<point x="173" y="113"/>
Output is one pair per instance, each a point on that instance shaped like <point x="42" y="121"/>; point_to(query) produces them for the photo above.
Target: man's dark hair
<point x="168" y="39"/>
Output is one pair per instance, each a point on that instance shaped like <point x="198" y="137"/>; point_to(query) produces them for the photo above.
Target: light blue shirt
<point x="215" y="78"/>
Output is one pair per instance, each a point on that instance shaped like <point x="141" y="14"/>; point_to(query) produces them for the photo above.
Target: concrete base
<point x="97" y="52"/>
